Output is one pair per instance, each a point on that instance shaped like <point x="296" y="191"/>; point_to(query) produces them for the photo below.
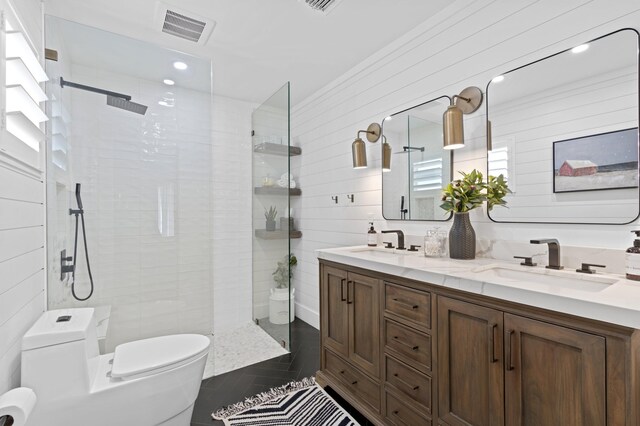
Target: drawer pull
<point x="509" y="355"/>
<point x="405" y="383"/>
<point x="342" y="298"/>
<point x="353" y="383"/>
<point x="492" y="344"/>
<point x="350" y="286"/>
<point x="401" y="302"/>
<point x="413" y="348"/>
<point x="396" y="412"/>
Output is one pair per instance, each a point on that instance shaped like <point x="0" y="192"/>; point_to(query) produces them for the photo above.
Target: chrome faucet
<point x="554" y="252"/>
<point x="400" y="237"/>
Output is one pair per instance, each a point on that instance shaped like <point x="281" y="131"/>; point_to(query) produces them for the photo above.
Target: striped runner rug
<point x="302" y="403"/>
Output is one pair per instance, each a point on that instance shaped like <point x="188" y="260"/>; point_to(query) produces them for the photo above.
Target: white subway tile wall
<point x="231" y="186"/>
<point x="466" y="44"/>
<point x="146" y="189"/>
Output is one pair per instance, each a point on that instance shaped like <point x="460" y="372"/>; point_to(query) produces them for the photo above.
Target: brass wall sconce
<point x="386" y="155"/>
<point x="468" y="101"/>
<point x="358" y="148"/>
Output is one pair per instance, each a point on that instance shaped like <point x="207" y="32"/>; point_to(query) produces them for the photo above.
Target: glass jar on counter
<point x="435" y="242"/>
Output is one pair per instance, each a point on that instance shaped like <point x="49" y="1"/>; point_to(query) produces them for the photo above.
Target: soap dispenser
<point x="633" y="259"/>
<point x="372" y="236"/>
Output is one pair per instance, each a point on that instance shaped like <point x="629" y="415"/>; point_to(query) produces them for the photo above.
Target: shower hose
<point x="75" y="251"/>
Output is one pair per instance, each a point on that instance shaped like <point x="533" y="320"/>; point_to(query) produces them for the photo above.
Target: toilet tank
<point x="59" y="353"/>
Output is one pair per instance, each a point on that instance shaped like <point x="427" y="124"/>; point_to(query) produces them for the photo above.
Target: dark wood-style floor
<point x="303" y="361"/>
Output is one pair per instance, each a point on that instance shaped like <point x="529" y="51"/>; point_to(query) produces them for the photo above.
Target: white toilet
<point x="147" y="382"/>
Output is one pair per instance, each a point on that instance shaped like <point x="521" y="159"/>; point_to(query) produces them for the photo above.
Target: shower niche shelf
<point x="276" y="190"/>
<point x="277" y="149"/>
<point x="280" y="234"/>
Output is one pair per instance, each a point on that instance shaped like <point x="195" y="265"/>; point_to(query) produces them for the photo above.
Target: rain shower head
<point x="126" y="105"/>
<point x="115" y="99"/>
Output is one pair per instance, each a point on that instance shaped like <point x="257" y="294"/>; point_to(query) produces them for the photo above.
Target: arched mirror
<point x="420" y="167"/>
<point x="564" y="132"/>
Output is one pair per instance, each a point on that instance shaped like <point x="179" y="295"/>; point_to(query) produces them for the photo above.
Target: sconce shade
<point x="452" y="127"/>
<point x="386" y="157"/>
<point x="359" y="153"/>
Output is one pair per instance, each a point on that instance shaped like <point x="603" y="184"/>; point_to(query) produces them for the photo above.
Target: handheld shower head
<point x="78" y="198"/>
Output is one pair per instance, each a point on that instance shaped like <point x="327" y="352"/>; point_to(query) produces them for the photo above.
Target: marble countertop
<point x="606" y="297"/>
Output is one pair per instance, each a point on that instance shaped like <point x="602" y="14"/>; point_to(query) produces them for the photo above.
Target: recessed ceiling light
<point x="168" y="82"/>
<point x="180" y="65"/>
<point x="497" y="79"/>
<point x="581" y="48"/>
<point x="165" y="104"/>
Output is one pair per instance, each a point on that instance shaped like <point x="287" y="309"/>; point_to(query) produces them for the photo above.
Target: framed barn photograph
<point x="596" y="162"/>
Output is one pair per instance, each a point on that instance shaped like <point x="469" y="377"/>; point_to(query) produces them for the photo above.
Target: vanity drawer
<point x="409" y="304"/>
<point x="400" y="414"/>
<point x="362" y="387"/>
<point x="409" y="382"/>
<point x="411" y="346"/>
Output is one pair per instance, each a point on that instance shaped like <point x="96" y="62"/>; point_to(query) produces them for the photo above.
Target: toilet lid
<point x="143" y="357"/>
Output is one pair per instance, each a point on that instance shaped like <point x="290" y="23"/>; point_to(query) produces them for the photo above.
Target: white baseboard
<point x="307" y="315"/>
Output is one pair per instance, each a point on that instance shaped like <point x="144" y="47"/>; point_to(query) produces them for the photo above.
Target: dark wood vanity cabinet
<point x="350" y="333"/>
<point x="445" y="357"/>
<point x="350" y="320"/>
<point x="497" y="368"/>
<point x="553" y="374"/>
<point x="470" y="364"/>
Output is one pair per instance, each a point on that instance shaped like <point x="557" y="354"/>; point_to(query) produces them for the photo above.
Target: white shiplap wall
<point x="22" y="277"/>
<point x="466" y="44"/>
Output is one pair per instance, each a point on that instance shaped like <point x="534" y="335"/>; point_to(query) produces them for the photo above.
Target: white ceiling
<point x="258" y="45"/>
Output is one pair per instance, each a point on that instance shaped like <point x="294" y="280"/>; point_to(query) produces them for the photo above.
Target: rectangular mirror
<point x="420" y="167"/>
<point x="564" y="132"/>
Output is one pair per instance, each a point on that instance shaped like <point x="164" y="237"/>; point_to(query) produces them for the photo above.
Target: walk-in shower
<point x="146" y="183"/>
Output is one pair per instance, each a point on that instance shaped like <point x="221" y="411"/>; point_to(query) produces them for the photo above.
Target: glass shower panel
<point x="273" y="297"/>
<point x="145" y="183"/>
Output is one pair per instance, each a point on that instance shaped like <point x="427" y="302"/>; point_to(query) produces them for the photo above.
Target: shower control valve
<point x="64" y="268"/>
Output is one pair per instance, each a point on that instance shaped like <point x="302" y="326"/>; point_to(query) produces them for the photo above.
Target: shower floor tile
<point x="303" y="361"/>
<point x="238" y="348"/>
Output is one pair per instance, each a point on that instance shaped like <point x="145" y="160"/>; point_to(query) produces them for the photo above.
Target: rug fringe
<point x="263" y="397"/>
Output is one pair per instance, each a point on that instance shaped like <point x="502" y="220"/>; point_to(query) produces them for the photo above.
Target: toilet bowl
<point x="146" y="382"/>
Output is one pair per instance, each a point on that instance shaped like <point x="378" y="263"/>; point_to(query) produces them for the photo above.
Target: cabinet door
<point x="335" y="318"/>
<point x="364" y="322"/>
<point x="554" y="375"/>
<point x="470" y="364"/>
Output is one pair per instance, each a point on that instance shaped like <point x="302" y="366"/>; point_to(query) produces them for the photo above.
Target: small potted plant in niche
<point x="270" y="216"/>
<point x="463" y="195"/>
<point x="281" y="301"/>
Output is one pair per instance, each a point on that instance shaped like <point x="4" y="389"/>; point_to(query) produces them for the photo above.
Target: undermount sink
<point x="543" y="278"/>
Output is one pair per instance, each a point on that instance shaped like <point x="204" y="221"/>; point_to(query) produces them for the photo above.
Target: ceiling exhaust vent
<point x="183" y="24"/>
<point x="322" y="5"/>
